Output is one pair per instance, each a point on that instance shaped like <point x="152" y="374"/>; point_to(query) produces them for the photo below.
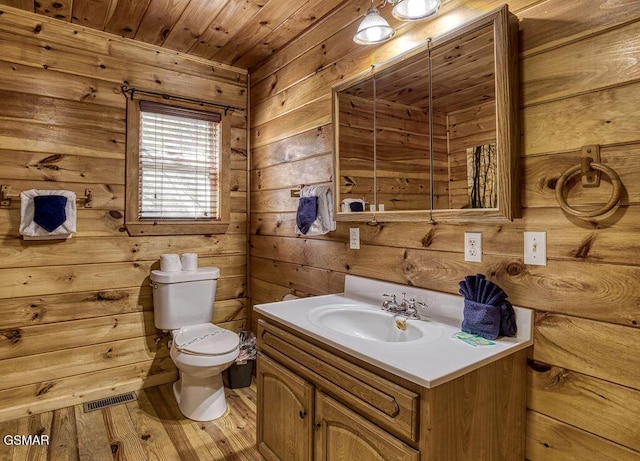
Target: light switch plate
<point x="535" y="248"/>
<point x="473" y="246"/>
<point x="354" y="238"/>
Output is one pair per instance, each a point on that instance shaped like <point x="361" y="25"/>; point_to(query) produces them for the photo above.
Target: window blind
<point x="179" y="163"/>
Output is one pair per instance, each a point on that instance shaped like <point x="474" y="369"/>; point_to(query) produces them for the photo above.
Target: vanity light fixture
<point x="375" y="29"/>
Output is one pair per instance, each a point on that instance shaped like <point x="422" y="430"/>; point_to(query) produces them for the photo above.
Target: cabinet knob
<point x="302" y="414"/>
<point x="317" y="426"/>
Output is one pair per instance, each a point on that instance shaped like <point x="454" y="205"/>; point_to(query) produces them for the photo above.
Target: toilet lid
<point x="205" y="339"/>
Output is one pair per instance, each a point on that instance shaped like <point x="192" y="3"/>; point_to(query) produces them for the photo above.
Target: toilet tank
<point x="183" y="298"/>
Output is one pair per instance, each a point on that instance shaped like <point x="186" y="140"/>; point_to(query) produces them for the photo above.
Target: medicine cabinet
<point x="433" y="134"/>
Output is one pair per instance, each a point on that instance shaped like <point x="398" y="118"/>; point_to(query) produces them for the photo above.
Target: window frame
<point x="141" y="227"/>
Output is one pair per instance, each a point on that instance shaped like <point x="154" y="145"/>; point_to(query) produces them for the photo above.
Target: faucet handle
<point x="389" y="302"/>
<point x="412" y="308"/>
<point x="413" y="304"/>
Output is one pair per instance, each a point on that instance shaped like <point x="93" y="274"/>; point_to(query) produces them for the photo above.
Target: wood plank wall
<point x="402" y="153"/>
<point x="466" y="128"/>
<point x="76" y="317"/>
<point x="579" y="85"/>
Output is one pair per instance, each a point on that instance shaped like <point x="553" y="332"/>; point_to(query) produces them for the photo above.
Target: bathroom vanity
<point x="340" y="379"/>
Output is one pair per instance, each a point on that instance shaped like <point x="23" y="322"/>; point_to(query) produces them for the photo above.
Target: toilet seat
<point x="205" y="339"/>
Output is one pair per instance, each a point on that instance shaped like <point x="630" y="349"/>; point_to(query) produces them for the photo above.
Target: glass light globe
<point x="373" y="29"/>
<point x="413" y="10"/>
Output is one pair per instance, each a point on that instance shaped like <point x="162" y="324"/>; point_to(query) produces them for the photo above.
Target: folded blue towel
<point x="307" y="213"/>
<point x="481" y="319"/>
<point x="487" y="312"/>
<point x="49" y="211"/>
<point x="508" y="325"/>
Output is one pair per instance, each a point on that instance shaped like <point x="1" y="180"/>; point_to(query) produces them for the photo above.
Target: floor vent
<point x="109" y="402"/>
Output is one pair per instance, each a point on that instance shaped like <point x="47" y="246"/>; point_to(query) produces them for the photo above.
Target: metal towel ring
<point x="585" y="168"/>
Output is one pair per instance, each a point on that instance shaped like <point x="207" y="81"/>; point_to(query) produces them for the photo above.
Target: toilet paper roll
<point x="189" y="261"/>
<point x="170" y="263"/>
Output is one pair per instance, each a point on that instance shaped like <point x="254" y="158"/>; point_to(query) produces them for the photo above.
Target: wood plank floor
<point x="151" y="428"/>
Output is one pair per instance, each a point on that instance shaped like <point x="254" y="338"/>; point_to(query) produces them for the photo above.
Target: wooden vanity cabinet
<point x="286" y="401"/>
<point x="342" y="434"/>
<point x="317" y="403"/>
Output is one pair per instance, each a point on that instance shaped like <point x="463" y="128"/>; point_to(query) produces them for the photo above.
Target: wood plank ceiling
<point x="242" y="33"/>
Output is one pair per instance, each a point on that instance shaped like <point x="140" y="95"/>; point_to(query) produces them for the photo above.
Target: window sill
<point x="140" y="229"/>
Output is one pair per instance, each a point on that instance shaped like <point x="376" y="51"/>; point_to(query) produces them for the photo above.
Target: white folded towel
<point x="345" y="205"/>
<point x="324" y="222"/>
<point x="30" y="230"/>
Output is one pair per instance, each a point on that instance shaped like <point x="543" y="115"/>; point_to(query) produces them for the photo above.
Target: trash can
<point x="240" y="373"/>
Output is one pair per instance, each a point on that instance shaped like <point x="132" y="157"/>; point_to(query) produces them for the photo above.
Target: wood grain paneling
<point x="591" y="404"/>
<point x="76" y="316"/>
<point x="556" y="346"/>
<point x="578" y="86"/>
<point x="552" y="440"/>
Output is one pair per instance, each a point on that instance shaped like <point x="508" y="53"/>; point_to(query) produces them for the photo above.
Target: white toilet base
<point x="200" y="398"/>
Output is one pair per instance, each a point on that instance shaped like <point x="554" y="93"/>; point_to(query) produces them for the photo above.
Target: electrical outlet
<point x="473" y="246"/>
<point x="535" y="248"/>
<point x="354" y="238"/>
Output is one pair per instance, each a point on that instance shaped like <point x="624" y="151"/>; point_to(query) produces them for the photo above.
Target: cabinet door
<point x="343" y="435"/>
<point x="285" y="403"/>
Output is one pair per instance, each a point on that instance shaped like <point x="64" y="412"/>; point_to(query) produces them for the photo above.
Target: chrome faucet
<point x="407" y="307"/>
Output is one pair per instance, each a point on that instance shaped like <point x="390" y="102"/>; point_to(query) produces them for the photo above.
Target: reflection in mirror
<point x="402" y="136"/>
<point x="464" y="109"/>
<point x="481" y="176"/>
<point x="356" y="178"/>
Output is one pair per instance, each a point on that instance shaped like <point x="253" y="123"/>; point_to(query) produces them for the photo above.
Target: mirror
<point x="432" y="134"/>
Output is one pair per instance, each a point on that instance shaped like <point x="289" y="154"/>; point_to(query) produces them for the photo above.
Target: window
<point x="177" y="162"/>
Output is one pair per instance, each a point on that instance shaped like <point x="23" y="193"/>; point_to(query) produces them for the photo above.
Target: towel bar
<point x="590" y="168"/>
<point x="6" y="197"/>
<point x="296" y="192"/>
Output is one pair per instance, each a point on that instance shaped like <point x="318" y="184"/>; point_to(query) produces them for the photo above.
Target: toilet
<point x="183" y="303"/>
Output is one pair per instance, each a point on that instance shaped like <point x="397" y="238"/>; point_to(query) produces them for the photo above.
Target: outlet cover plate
<point x="354" y="238"/>
<point x="473" y="246"/>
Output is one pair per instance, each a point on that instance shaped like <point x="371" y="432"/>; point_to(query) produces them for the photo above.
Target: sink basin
<point x="373" y="324"/>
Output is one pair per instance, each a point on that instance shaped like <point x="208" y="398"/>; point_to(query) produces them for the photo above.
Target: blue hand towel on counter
<point x="481" y="319"/>
<point x="487" y="312"/>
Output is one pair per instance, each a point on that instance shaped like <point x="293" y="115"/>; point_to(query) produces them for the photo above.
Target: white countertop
<point x="429" y="363"/>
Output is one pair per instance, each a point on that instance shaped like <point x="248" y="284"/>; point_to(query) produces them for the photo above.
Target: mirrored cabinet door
<point x="433" y="134"/>
<point x="402" y="137"/>
<point x="355" y="148"/>
<point x="464" y="114"/>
